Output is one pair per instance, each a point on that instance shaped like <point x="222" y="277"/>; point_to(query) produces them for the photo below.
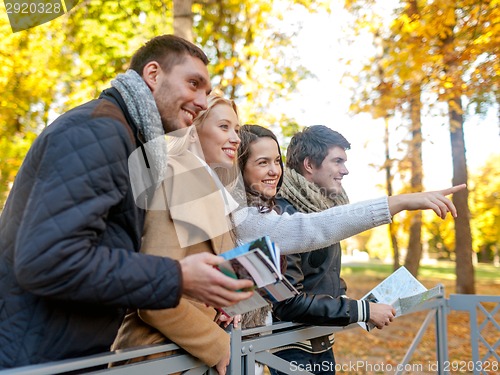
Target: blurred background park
<point x="412" y="84"/>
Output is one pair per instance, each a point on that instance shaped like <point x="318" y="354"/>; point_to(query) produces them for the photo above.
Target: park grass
<point x="442" y="270"/>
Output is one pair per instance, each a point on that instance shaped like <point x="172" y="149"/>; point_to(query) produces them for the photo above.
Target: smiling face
<point x="218" y="136"/>
<point x="262" y="170"/>
<point x="328" y="176"/>
<point x="181" y="93"/>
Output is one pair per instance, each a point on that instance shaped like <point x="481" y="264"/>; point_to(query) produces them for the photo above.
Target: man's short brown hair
<point x="167" y="50"/>
<point x="314" y="142"/>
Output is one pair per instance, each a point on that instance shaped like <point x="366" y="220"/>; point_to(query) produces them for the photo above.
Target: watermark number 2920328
<point x="24" y="14"/>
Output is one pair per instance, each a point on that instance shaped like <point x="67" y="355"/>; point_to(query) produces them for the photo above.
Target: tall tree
<point x="392" y="228"/>
<point x="485" y="209"/>
<point x="454" y="45"/>
<point x="452" y="82"/>
<point x="396" y="73"/>
<point x="183" y="19"/>
<point x="414" y="83"/>
<point x="414" y="252"/>
<point x="463" y="43"/>
<point x="388" y="162"/>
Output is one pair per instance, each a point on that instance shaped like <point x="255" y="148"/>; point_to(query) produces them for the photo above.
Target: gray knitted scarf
<point x="306" y="196"/>
<point x="142" y="107"/>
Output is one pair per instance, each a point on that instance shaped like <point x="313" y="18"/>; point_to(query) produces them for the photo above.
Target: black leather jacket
<point x="316" y="275"/>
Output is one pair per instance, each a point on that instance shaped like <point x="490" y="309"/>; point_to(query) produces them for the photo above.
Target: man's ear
<point x="150" y="74"/>
<point x="307" y="166"/>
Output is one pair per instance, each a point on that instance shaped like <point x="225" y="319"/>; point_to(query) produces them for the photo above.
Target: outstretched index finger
<point x="453" y="189"/>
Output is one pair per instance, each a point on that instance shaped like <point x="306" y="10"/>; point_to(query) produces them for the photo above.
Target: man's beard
<point x="171" y="124"/>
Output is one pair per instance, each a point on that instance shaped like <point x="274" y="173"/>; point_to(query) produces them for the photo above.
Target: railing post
<point x="474" y="306"/>
<point x="442" y="336"/>
<point x="236" y="348"/>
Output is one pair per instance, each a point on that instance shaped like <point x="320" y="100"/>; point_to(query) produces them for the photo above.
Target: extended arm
<point x="429" y="200"/>
<point x="306" y="232"/>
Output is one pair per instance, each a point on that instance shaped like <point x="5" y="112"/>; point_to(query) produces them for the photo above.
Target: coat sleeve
<point x="191" y="326"/>
<point x="322" y="309"/>
<point x="80" y="175"/>
<point x="317" y="309"/>
<point x="303" y="232"/>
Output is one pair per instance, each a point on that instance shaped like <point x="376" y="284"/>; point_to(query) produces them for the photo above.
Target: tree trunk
<point x="463" y="237"/>
<point x="183" y="19"/>
<point x="388" y="182"/>
<point x="395" y="246"/>
<point x="465" y="283"/>
<point x="412" y="261"/>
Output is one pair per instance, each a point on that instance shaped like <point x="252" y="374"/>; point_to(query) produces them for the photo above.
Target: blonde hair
<point x="212" y="100"/>
<point x="229" y="177"/>
<point x="179" y="141"/>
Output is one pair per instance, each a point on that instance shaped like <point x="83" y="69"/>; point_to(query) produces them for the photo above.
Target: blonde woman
<point x="189" y="215"/>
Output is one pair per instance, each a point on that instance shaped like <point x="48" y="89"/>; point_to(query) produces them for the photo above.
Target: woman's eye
<point x="194" y="83"/>
<point x="224" y="126"/>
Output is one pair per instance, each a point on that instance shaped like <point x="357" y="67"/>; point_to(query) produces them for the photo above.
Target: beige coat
<point x="195" y="216"/>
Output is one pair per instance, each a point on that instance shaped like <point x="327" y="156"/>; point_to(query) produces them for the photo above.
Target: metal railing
<point x="480" y="319"/>
<point x="246" y="351"/>
<point x="256" y="345"/>
<point x="259" y="349"/>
